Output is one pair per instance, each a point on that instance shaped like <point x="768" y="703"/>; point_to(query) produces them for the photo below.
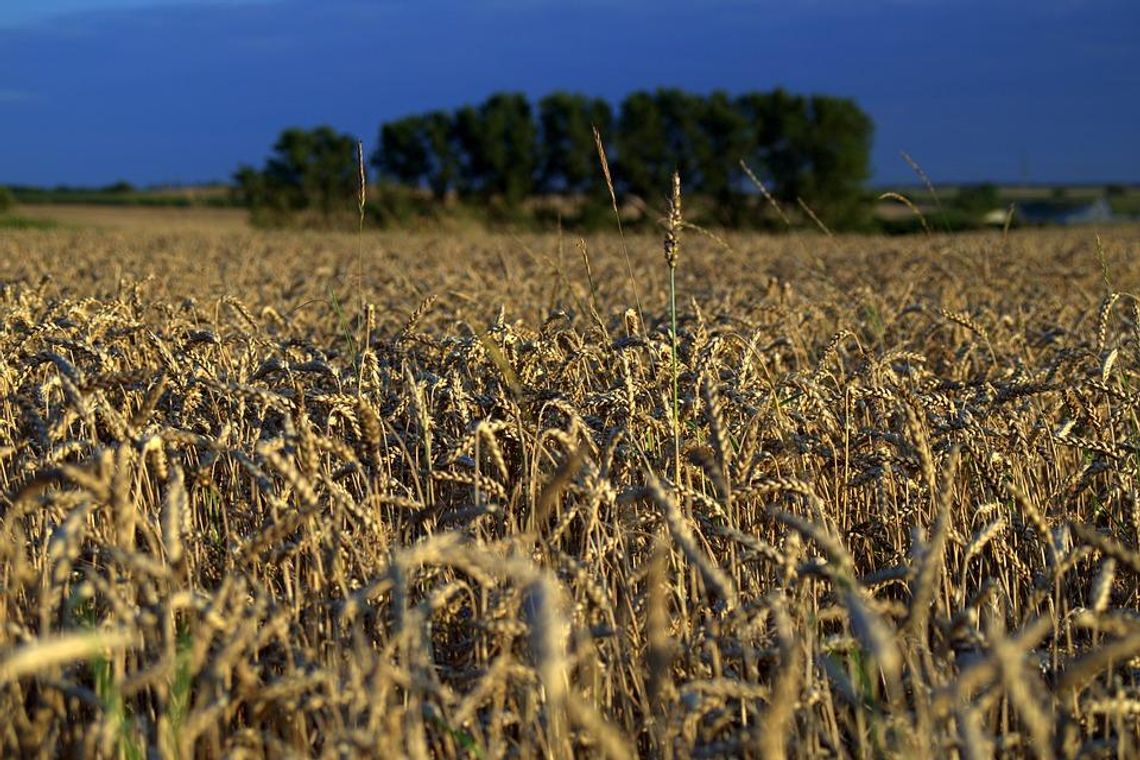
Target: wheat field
<point x="433" y="495"/>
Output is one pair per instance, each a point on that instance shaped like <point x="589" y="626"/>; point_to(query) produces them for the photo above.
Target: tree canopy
<point x="568" y="161"/>
<point x="810" y="148"/>
<point x="807" y="149"/>
<point x="314" y="171"/>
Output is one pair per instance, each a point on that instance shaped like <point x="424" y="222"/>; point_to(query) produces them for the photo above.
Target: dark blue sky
<point x="169" y="91"/>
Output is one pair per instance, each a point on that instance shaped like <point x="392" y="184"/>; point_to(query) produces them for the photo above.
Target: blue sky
<point x="178" y="91"/>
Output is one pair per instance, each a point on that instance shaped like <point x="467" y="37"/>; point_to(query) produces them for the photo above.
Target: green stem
<point x="676" y="401"/>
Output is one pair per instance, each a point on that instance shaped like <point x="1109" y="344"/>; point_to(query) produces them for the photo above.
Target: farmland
<point x="300" y="494"/>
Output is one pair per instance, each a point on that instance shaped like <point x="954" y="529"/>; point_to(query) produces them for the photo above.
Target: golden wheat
<point x="242" y="516"/>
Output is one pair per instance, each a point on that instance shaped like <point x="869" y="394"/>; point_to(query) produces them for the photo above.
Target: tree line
<point x="808" y="150"/>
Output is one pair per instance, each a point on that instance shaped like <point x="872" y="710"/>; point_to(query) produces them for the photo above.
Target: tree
<point x="313" y="170"/>
<point x="497" y="146"/>
<point x="779" y="135"/>
<point x="685" y="140"/>
<point x="403" y="155"/>
<point x="658" y="133"/>
<point x="466" y="132"/>
<point x="419" y="150"/>
<point x="568" y="159"/>
<point x="978" y="199"/>
<point x="837" y="147"/>
<point x="641" y="147"/>
<point x="249" y="187"/>
<point x="811" y="149"/>
<point x="439" y="133"/>
<point x="7" y="200"/>
<point x="727" y="139"/>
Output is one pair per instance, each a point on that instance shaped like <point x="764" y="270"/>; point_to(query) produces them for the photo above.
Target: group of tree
<point x="314" y="173"/>
<point x="813" y="149"/>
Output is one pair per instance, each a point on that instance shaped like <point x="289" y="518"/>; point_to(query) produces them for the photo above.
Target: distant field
<point x="242" y="516"/>
<point x="138" y="218"/>
<point x="1124" y="200"/>
<point x="185" y="208"/>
